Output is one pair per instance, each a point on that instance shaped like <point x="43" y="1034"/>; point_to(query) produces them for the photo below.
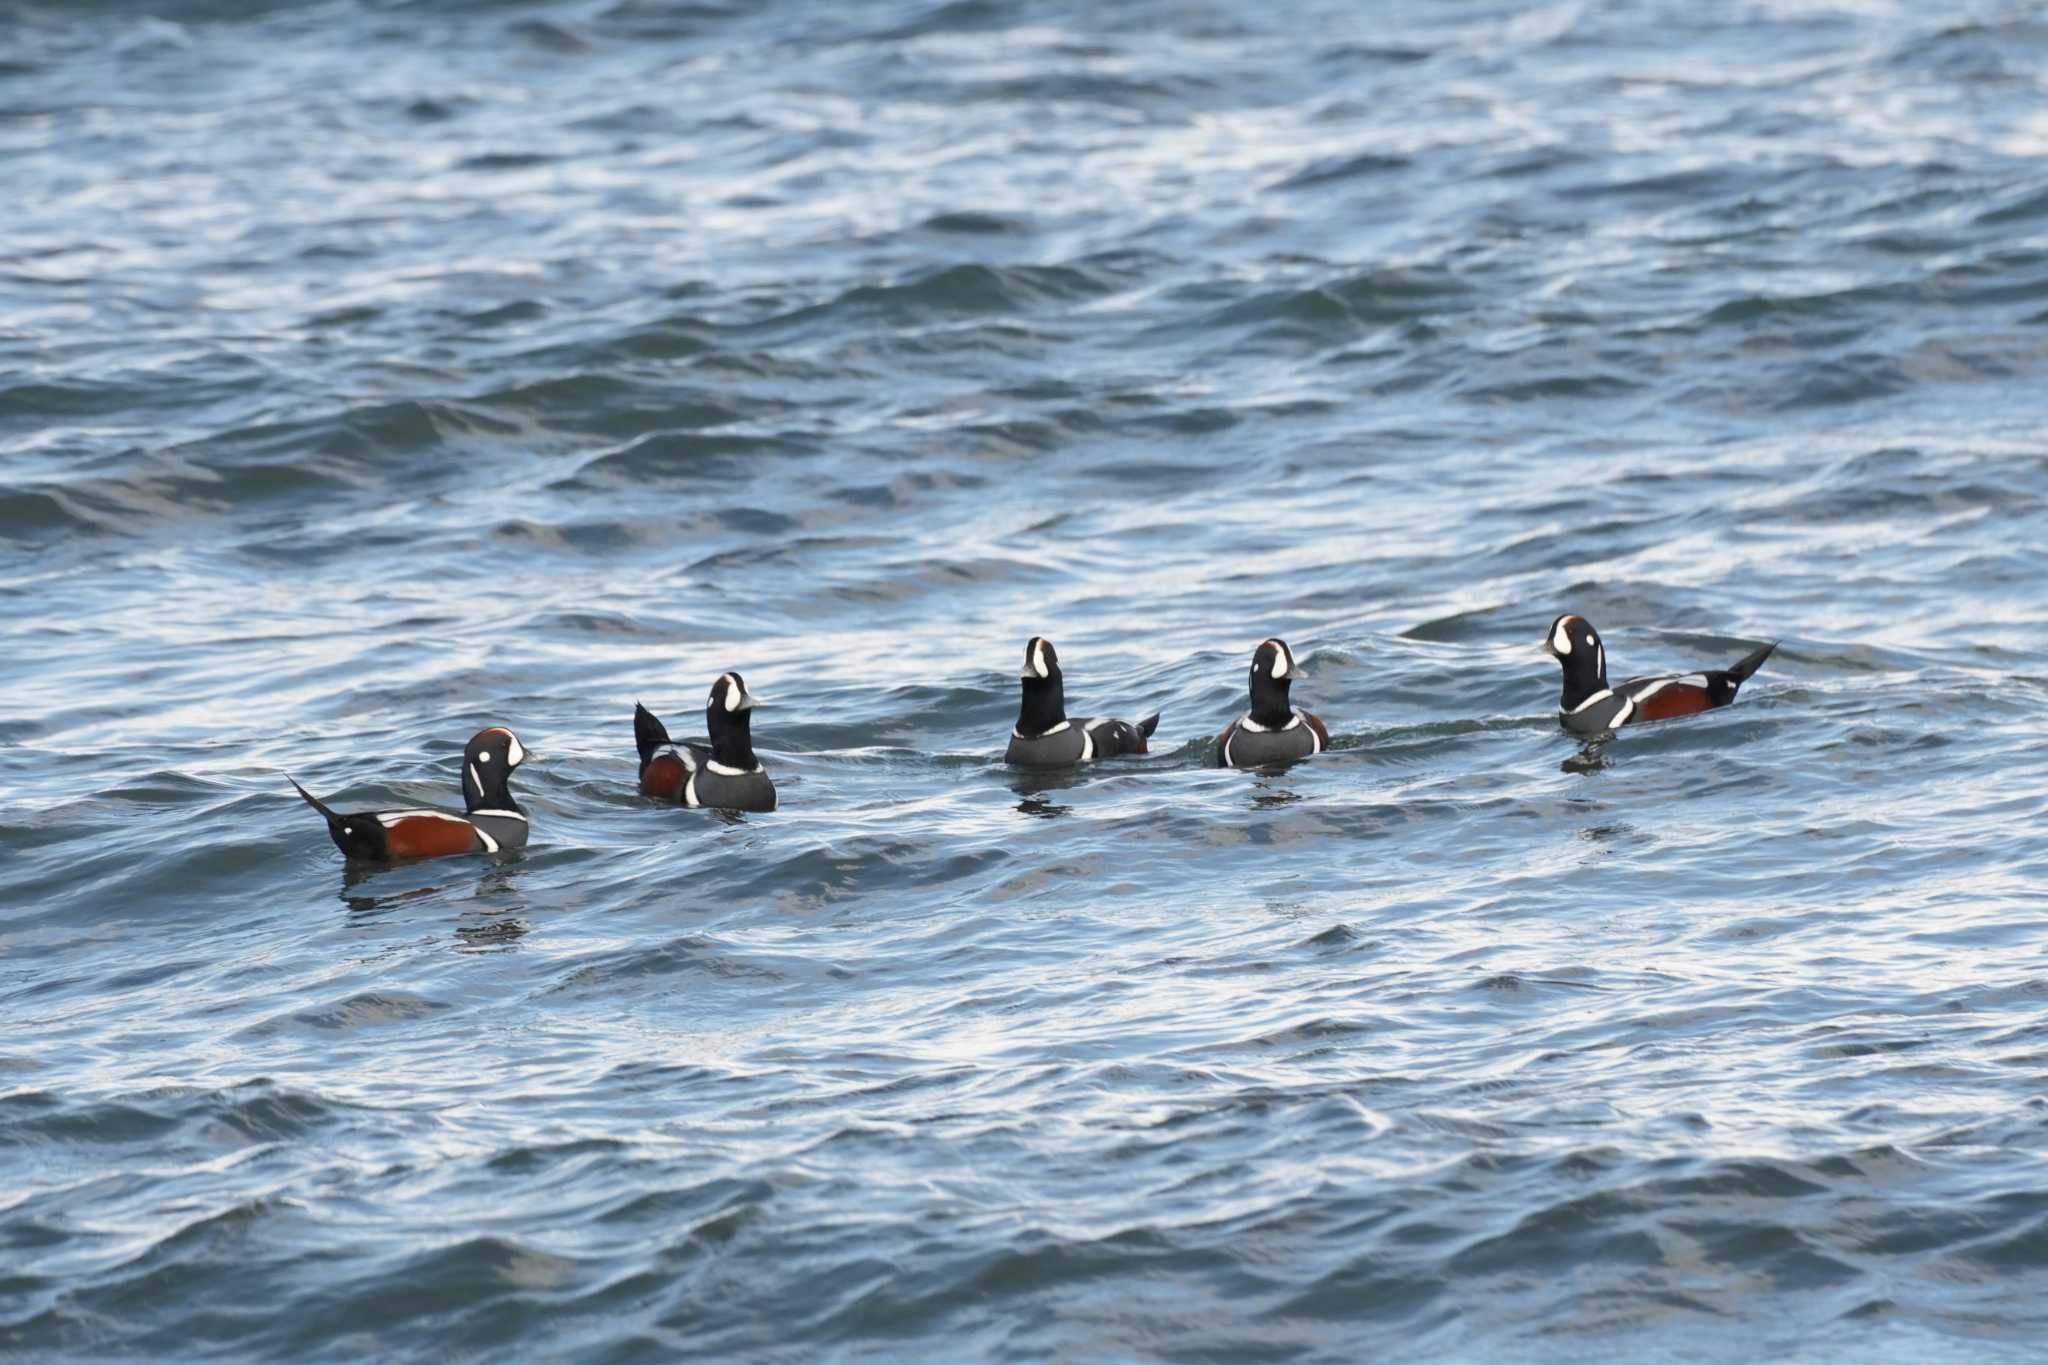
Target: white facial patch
<point x="1038" y="667"/>
<point x="515" y="755"/>
<point x="1559" y="641"/>
<point x="732" y="692"/>
<point x="483" y="757"/>
<point x="348" y="829"/>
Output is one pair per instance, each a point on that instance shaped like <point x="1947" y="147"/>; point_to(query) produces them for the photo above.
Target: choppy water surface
<point x="370" y="372"/>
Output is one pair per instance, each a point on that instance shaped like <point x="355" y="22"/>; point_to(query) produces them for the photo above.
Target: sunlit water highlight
<point x="371" y="372"/>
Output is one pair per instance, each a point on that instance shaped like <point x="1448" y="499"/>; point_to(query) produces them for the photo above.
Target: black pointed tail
<point x="333" y="820"/>
<point x="1738" y="673"/>
<point x="1148" y="725"/>
<point x="648" y="732"/>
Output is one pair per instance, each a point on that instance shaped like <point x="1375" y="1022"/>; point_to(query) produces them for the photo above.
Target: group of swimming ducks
<point x="725" y="775"/>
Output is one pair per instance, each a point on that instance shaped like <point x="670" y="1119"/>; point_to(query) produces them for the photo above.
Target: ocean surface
<point x="372" y="371"/>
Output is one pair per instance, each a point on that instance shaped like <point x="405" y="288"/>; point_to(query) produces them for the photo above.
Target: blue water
<point x="372" y="371"/>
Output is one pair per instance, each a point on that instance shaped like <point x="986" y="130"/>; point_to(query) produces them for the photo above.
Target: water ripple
<point x="379" y="372"/>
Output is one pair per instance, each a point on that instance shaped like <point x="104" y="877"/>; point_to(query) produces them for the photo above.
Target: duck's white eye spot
<point x="483" y="758"/>
<point x="1560" y="641"/>
<point x="348" y="829"/>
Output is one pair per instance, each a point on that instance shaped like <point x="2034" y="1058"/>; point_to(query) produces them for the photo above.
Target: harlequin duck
<point x="1045" y="738"/>
<point x="1590" y="706"/>
<point x="1272" y="731"/>
<point x="725" y="776"/>
<point x="495" y="823"/>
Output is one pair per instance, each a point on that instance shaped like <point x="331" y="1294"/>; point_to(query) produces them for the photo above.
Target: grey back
<point x="505" y="828"/>
<point x="1060" y="747"/>
<point x="1601" y="711"/>
<point x="729" y="791"/>
<point x="713" y="785"/>
<point x="1247" y="748"/>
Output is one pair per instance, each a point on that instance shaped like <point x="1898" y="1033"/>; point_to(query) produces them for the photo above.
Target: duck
<point x="492" y="822"/>
<point x="724" y="775"/>
<point x="1045" y="738"/>
<point x="1273" y="730"/>
<point x="1590" y="706"/>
